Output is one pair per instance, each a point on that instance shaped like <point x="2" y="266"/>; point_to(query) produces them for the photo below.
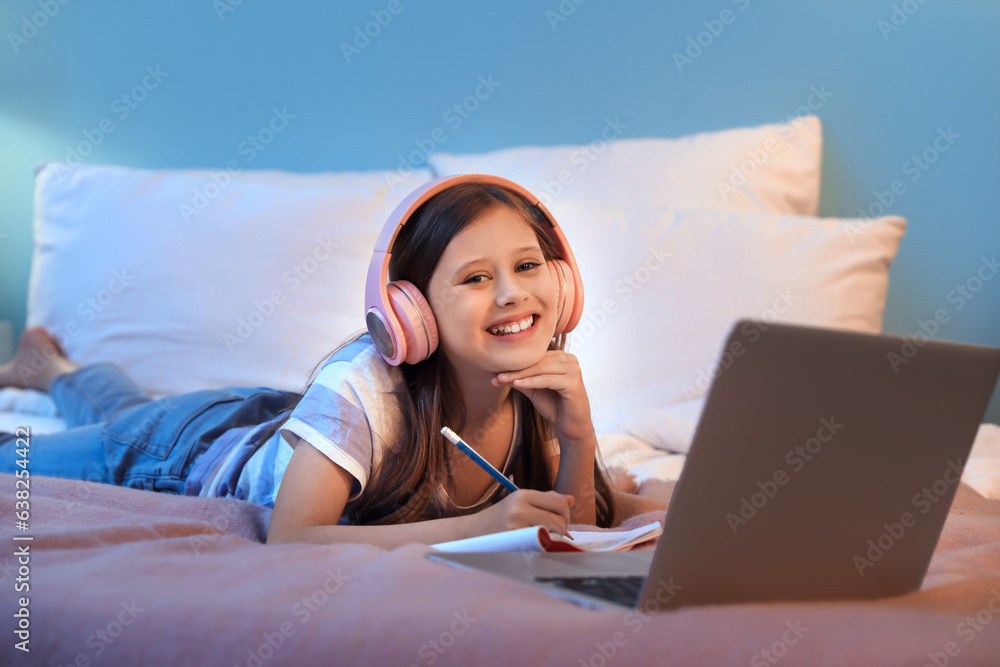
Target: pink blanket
<point x="125" y="577"/>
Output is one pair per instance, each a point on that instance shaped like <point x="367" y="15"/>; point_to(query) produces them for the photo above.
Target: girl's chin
<point x="518" y="360"/>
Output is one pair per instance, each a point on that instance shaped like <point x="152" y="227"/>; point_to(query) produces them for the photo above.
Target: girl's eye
<point x="477" y="279"/>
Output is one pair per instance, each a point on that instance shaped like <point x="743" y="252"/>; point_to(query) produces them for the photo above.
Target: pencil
<point x="481" y="462"/>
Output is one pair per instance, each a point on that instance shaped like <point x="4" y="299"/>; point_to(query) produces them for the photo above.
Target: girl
<point x="359" y="456"/>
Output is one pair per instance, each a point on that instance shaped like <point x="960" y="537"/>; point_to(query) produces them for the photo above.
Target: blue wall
<point x="898" y="73"/>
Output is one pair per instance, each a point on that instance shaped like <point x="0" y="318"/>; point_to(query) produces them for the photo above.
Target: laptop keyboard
<point x="621" y="589"/>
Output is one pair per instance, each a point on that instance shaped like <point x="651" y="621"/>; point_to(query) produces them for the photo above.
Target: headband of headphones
<point x="390" y="328"/>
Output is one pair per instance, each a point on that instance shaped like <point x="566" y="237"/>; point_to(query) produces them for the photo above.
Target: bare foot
<point x="628" y="505"/>
<point x="622" y="480"/>
<point x="39" y="359"/>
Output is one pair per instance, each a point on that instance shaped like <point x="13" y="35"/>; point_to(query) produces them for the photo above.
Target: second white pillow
<point x="765" y="169"/>
<point x="664" y="286"/>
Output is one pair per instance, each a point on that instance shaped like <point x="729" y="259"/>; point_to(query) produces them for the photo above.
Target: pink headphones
<point x="399" y="319"/>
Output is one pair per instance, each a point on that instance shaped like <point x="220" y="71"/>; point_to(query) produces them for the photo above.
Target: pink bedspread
<point x="124" y="577"/>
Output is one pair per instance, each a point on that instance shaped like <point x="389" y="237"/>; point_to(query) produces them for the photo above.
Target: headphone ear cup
<point x="562" y="277"/>
<point x="418" y="332"/>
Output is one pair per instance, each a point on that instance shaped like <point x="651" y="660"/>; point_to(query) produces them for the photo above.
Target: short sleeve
<point x="350" y="412"/>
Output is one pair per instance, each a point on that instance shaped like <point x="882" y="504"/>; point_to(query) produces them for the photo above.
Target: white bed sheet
<point x="982" y="470"/>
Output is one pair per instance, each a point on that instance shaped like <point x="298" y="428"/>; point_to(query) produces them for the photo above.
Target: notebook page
<point x="521" y="539"/>
<point x="531" y="539"/>
<point x="611" y="541"/>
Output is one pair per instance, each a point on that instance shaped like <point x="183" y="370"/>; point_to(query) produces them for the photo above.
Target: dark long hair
<point x="404" y="489"/>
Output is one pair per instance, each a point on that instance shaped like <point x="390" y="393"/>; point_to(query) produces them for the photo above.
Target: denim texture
<point x="116" y="434"/>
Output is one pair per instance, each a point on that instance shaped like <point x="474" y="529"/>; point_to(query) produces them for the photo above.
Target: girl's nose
<point x="510" y="291"/>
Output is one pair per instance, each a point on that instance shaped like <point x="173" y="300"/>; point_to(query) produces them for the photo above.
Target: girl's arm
<point x="555" y="387"/>
<point x="628" y="501"/>
<point x="575" y="477"/>
<point x="314" y="492"/>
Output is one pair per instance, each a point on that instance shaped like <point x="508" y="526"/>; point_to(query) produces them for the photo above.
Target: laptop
<point x="822" y="468"/>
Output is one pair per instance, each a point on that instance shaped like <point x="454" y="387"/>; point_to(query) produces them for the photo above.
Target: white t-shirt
<point x="352" y="413"/>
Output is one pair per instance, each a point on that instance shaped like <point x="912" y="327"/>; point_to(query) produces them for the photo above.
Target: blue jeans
<point x="116" y="434"/>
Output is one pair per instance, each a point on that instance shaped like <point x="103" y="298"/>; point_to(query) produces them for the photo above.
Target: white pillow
<point x="766" y="169"/>
<point x="663" y="287"/>
<point x="200" y="279"/>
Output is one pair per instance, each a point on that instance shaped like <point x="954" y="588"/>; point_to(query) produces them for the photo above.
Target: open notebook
<point x="538" y="538"/>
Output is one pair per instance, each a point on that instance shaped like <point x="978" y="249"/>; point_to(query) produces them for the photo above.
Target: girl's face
<point x="493" y="276"/>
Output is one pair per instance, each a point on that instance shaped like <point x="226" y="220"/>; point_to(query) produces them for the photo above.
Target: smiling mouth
<point x="513" y="327"/>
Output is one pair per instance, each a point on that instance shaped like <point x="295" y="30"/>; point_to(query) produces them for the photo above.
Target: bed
<point x="192" y="279"/>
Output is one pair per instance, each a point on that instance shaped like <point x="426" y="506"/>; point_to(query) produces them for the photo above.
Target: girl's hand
<point x="555" y="387"/>
<point x="522" y="509"/>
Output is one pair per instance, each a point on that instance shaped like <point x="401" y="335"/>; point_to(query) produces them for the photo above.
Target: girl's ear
<point x="417" y="326"/>
<point x="562" y="278"/>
